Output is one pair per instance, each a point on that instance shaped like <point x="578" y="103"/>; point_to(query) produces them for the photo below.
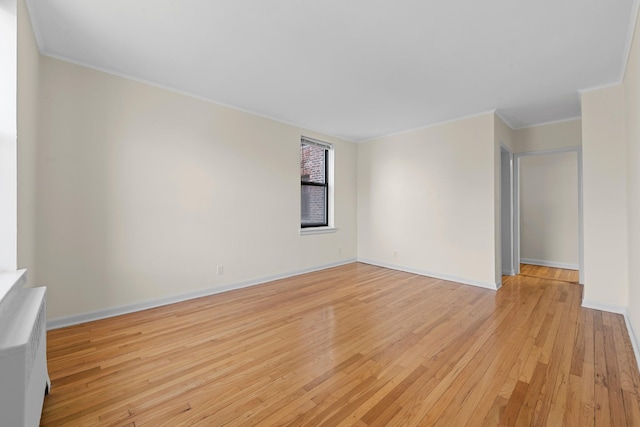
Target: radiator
<point x="24" y="379"/>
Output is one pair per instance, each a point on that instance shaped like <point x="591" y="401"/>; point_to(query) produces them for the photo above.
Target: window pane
<point x="314" y="200"/>
<point x="312" y="167"/>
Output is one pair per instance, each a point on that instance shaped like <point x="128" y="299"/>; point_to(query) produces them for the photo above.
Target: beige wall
<point x="135" y="193"/>
<point x="611" y="162"/>
<point x="549" y="209"/>
<point x="605" y="197"/>
<point x="142" y="192"/>
<point x="632" y="92"/>
<point x="503" y="133"/>
<point x="28" y="92"/>
<point x="429" y="195"/>
<point x="548" y="137"/>
<point x="561" y="244"/>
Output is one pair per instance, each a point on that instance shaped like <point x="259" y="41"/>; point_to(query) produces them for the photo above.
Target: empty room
<point x="366" y="213"/>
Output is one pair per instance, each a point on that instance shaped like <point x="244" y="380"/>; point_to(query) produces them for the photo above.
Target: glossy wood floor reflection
<point x="549" y="273"/>
<point x="355" y="345"/>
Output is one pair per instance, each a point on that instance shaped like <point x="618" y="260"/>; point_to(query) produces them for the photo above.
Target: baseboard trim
<point x="550" y="264"/>
<point x="508" y="273"/>
<point x="462" y="280"/>
<point x="618" y="309"/>
<point x="76" y="319"/>
<point x="611" y="308"/>
<point x="633" y="337"/>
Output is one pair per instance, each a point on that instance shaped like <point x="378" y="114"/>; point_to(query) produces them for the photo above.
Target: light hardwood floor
<point x="353" y="345"/>
<point x="549" y="273"/>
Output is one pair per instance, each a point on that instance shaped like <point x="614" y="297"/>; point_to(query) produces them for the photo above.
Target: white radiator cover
<point x="24" y="378"/>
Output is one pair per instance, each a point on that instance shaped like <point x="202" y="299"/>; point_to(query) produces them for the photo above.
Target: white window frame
<point x="330" y="168"/>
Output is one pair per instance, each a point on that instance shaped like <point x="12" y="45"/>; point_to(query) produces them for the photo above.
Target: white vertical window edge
<point x="8" y="136"/>
<point x="331" y="182"/>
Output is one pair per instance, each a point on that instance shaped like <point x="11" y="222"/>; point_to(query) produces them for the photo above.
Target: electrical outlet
<point x="395" y="253"/>
<point x="339" y="250"/>
<point x="220" y="270"/>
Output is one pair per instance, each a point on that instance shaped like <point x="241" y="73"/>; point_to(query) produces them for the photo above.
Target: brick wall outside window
<point x="312" y="169"/>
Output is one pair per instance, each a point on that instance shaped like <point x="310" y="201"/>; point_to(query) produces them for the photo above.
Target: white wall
<point x="632" y="99"/>
<point x="8" y="132"/>
<point x="142" y="192"/>
<point x="28" y="115"/>
<point x="549" y="209"/>
<point x="429" y="194"/>
<point x="605" y="198"/>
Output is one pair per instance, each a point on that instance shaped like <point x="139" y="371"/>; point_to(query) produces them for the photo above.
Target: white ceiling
<point x="353" y="68"/>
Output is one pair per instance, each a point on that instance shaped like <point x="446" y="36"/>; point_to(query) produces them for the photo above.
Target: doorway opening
<point x="506" y="212"/>
<point x="548" y="228"/>
<point x="549" y="273"/>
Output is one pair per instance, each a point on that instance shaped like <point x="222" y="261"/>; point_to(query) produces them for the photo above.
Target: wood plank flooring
<point x="549" y="273"/>
<point x="355" y="345"/>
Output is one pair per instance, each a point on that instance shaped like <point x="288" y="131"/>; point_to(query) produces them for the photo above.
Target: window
<point x="314" y="182"/>
<point x="8" y="132"/>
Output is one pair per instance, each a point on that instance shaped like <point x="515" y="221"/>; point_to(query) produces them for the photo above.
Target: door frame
<point x="516" y="204"/>
<point x="512" y="271"/>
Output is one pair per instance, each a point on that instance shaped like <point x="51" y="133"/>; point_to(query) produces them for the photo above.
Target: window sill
<point x="317" y="230"/>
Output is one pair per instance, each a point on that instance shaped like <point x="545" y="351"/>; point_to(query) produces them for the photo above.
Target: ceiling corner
<point x="35" y="26"/>
<point x="504" y="119"/>
<point x="633" y="23"/>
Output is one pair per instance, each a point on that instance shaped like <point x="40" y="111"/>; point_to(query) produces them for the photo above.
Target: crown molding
<point x="443" y="122"/>
<point x="552" y="122"/>
<point x="598" y="87"/>
<point x="35" y="25"/>
<point x="302" y="127"/>
<point x="633" y="22"/>
<point x="504" y="119"/>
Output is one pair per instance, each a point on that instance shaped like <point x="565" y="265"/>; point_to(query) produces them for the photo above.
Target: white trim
<point x="443" y="122"/>
<point x="580" y="222"/>
<point x="618" y="309"/>
<point x="627" y="46"/>
<point x="315" y="142"/>
<point x="598" y="87"/>
<point x="511" y="211"/>
<point x="35" y="26"/>
<point x="552" y="122"/>
<point x="515" y="197"/>
<point x="317" y="230"/>
<point x="550" y="151"/>
<point x="62" y="322"/>
<point x="632" y="336"/>
<point x="611" y="308"/>
<point x="10" y="280"/>
<point x="504" y="119"/>
<point x="554" y="264"/>
<point x="331" y="197"/>
<point x="461" y="280"/>
<point x="508" y="273"/>
<point x="624" y="311"/>
<point x="189" y="94"/>
<point x="516" y="189"/>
